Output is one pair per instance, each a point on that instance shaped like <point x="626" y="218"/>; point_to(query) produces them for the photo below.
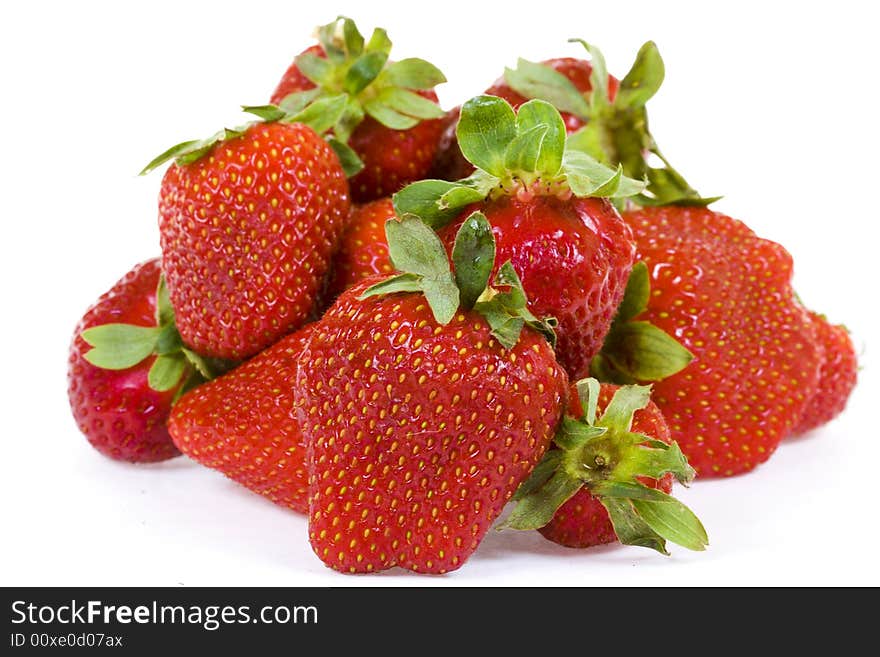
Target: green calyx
<point x="604" y="456"/>
<point x="636" y="350"/>
<point x="616" y="132"/>
<point x="522" y="153"/>
<point x="353" y="80"/>
<point x="120" y="346"/>
<point x="463" y="284"/>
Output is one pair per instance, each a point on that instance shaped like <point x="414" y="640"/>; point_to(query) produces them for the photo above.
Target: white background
<point x="770" y="104"/>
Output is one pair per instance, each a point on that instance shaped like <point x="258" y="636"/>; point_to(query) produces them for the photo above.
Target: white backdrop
<point x="770" y="104"/>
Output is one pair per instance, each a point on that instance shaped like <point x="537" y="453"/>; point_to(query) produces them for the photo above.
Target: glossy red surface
<point x="120" y="415"/>
<point x="418" y="434"/>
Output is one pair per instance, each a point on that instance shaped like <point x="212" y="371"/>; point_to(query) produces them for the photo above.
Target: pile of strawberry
<point x="397" y="319"/>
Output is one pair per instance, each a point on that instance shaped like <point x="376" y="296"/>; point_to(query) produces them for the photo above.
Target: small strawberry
<point x="837" y="379"/>
<point x="390" y="118"/>
<point x="725" y="295"/>
<point x="243" y="424"/>
<point x="547" y="205"/>
<point x="248" y="221"/>
<point x="126" y="367"/>
<point x="425" y="400"/>
<point x="363" y="251"/>
<point x="608" y="478"/>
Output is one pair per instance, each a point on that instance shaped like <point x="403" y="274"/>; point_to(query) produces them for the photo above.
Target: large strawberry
<point x="389" y="115"/>
<point x="363" y="251"/>
<point x="126" y="366"/>
<point x="838" y="376"/>
<point x="548" y="206"/>
<point x="243" y="424"/>
<point x="425" y="400"/>
<point x="608" y="476"/>
<point x="725" y="295"/>
<point x="248" y="221"/>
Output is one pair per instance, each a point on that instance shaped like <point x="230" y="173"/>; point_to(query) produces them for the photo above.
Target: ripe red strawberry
<point x="363" y="251"/>
<point x="568" y="245"/>
<point x="248" y="222"/>
<point x="725" y="295"/>
<point x="423" y="408"/>
<point x="243" y="424"/>
<point x="582" y="521"/>
<point x="125" y="368"/>
<point x="608" y="477"/>
<point x="391" y="119"/>
<point x="837" y="378"/>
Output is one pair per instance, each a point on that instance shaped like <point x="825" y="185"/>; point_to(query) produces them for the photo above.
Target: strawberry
<point x="126" y="366"/>
<point x="576" y="74"/>
<point x="608" y="477"/>
<point x="837" y="378"/>
<point x="607" y="118"/>
<point x="248" y="221"/>
<point x="582" y="521"/>
<point x="363" y="251"/>
<point x="425" y="400"/>
<point x="548" y="208"/>
<point x="725" y="295"/>
<point x="389" y="118"/>
<point x="242" y="424"/>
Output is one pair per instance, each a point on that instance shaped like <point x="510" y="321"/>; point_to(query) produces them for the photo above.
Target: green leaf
<point x="644" y="78"/>
<point x="540" y="474"/>
<point x="507" y="312"/>
<point x="624" y="403"/>
<point x="399" y="283"/>
<point x="409" y="103"/>
<point x="164" y="309"/>
<point x="169" y="340"/>
<point x="473" y="257"/>
<point x="598" y="77"/>
<point x="487" y="125"/>
<point x="352" y="116"/>
<point x="537" y="508"/>
<point x="170" y="154"/>
<point x="523" y="152"/>
<point x="363" y="71"/>
<point x="436" y="202"/>
<point x="552" y="146"/>
<point x="297" y="101"/>
<point x="351" y="163"/>
<point x="119" y="346"/>
<point x="644" y="352"/>
<point x="329" y="38"/>
<point x="201" y="365"/>
<point x="379" y="42"/>
<point x="166" y="371"/>
<point x="588" y="177"/>
<point x="413" y="73"/>
<point x="591" y="139"/>
<point x="267" y="113"/>
<point x="317" y="69"/>
<point x="354" y="40"/>
<point x="656" y="459"/>
<point x="574" y="434"/>
<point x="673" y="521"/>
<point x="630" y="528"/>
<point x="539" y="81"/>
<point x="322" y="114"/>
<point x="388" y="117"/>
<point x="588" y="393"/>
<point x="638" y="291"/>
<point x="415" y="248"/>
